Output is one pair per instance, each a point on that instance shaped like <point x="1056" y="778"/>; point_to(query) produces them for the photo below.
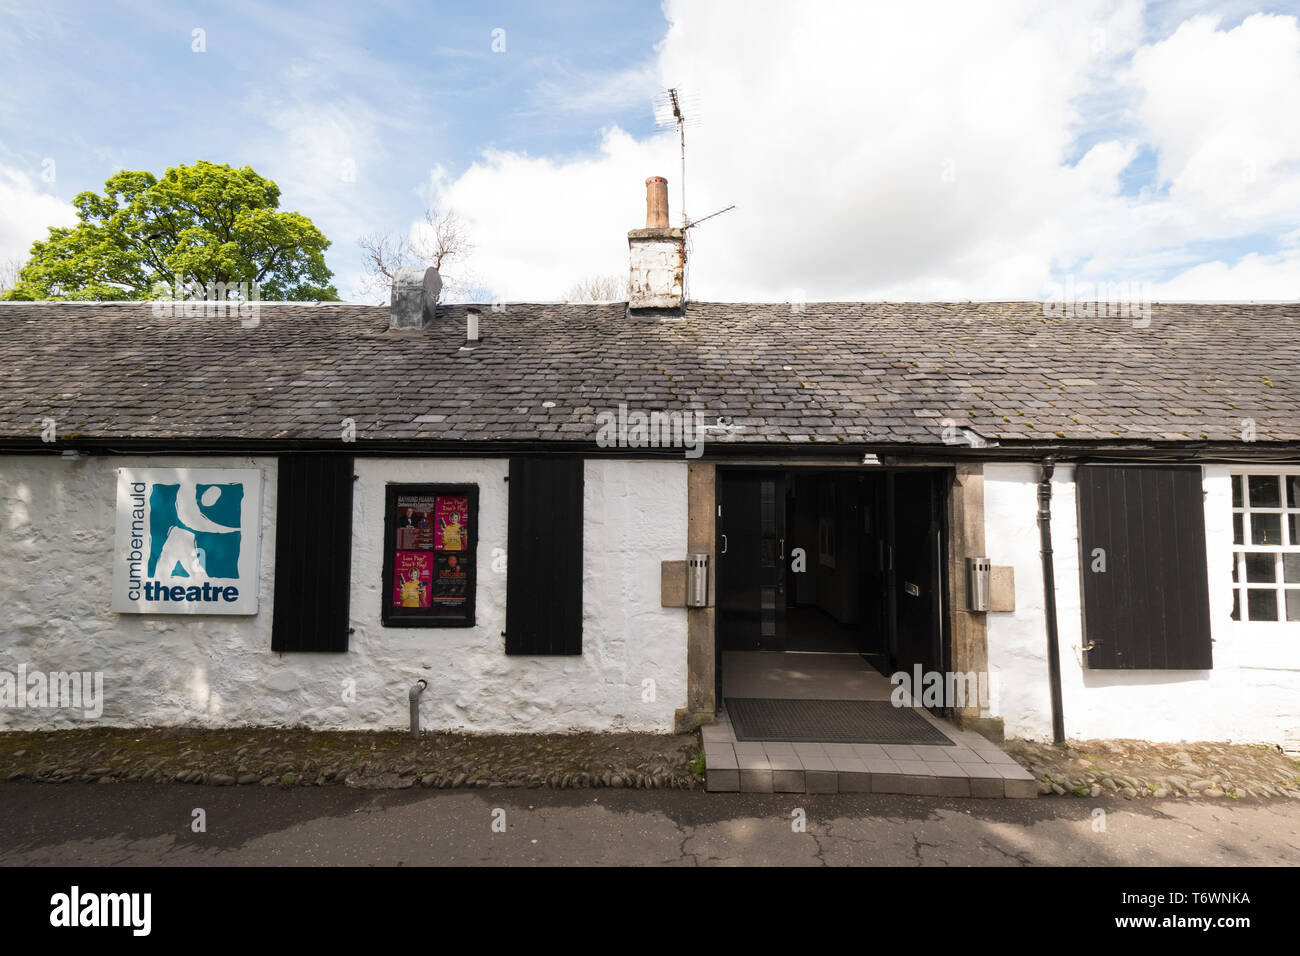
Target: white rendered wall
<point x="635" y="517"/>
<point x="1252" y="693"/>
<point x="56" y="589"/>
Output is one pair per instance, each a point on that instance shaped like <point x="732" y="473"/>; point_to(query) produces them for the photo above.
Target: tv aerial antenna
<point x="676" y="109"/>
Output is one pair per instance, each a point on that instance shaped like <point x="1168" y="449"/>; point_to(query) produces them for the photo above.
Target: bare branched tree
<point x="441" y="240"/>
<point x="9" y="269"/>
<point x="603" y="288"/>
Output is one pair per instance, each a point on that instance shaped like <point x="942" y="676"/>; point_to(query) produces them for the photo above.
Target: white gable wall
<point x="56" y="591"/>
<point x="1252" y="693"/>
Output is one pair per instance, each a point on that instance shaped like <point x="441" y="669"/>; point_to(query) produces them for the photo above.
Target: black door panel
<point x="918" y="577"/>
<point x="751" y="561"/>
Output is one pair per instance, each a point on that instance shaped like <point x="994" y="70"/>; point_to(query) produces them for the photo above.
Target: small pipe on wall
<point x="414" y="695"/>
<point x="1049" y="597"/>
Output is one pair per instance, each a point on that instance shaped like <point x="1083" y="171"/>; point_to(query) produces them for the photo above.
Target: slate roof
<point x="887" y="373"/>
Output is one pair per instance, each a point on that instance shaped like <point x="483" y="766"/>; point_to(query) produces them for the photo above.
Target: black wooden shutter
<point x="313" y="553"/>
<point x="1150" y="607"/>
<point x="544" y="570"/>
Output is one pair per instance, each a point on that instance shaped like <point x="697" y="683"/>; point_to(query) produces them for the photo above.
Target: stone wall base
<point x="990" y="728"/>
<point x="686" y="721"/>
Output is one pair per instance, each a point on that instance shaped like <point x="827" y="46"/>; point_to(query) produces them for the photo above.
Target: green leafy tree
<point x="205" y="223"/>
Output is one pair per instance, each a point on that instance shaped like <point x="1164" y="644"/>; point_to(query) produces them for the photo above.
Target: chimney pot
<point x="656" y="203"/>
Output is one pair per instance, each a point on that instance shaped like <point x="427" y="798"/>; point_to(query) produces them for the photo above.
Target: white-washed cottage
<point x="577" y="517"/>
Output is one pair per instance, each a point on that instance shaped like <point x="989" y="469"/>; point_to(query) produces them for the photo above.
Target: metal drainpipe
<point x="1049" y="597"/>
<point x="416" y="690"/>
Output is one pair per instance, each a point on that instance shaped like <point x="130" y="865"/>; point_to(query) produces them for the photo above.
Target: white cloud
<point x="540" y="224"/>
<point x="1255" y="276"/>
<point x="26" y="213"/>
<point x="1223" y="109"/>
<point x="326" y="154"/>
<point x="324" y="149"/>
<point x="925" y="151"/>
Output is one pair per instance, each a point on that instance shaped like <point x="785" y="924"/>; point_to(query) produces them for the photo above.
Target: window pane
<point x="1236" y="604"/>
<point x="1261" y="604"/>
<point x="1238" y="534"/>
<point x="1266" y="529"/>
<point x="1264" y="491"/>
<point x="1235" y="561"/>
<point x="1293" y="528"/>
<point x="1293" y="605"/>
<point x="1236" y="491"/>
<point x="1293" y="491"/>
<point x="1261" y="568"/>
<point x="1291" y="568"/>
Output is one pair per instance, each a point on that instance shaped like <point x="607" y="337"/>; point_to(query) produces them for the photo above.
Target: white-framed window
<point x="1266" y="545"/>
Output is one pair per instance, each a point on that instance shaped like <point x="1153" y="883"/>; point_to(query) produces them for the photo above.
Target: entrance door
<point x="917" y="575"/>
<point x="751" y="561"/>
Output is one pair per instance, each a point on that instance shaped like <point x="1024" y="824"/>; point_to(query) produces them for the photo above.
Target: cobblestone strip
<point x="288" y="758"/>
<point x="1136" y="769"/>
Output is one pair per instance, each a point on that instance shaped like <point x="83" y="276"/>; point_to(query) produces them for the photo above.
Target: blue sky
<point x="97" y="87"/>
<point x="366" y="113"/>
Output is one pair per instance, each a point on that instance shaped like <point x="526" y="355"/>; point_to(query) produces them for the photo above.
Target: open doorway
<point x="832" y="562"/>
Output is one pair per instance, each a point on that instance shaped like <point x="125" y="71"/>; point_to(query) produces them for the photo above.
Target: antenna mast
<point x="671" y="108"/>
<point x="681" y="131"/>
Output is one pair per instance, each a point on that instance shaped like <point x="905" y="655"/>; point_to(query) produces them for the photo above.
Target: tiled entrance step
<point x="974" y="767"/>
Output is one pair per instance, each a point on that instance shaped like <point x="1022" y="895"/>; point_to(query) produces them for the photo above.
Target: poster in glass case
<point x="429" y="541"/>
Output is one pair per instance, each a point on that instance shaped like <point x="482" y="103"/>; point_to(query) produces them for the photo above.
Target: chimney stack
<point x="657" y="255"/>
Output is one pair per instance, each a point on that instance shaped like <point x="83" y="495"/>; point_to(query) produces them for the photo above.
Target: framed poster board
<point x="430" y="538"/>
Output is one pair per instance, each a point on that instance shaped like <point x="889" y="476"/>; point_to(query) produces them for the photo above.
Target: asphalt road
<point x="136" y="824"/>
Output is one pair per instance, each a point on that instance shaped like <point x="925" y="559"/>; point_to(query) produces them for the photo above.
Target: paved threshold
<point x="972" y="767"/>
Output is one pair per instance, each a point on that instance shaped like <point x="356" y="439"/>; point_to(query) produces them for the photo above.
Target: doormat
<point x="831" y="721"/>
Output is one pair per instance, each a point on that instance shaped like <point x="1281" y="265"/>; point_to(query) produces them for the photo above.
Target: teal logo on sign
<point x="194" y="530"/>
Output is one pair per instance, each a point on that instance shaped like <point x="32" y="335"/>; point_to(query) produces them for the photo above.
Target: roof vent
<point x="414" y="297"/>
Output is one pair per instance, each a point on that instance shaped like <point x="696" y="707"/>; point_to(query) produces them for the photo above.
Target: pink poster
<point x="451" y="520"/>
<point x="412" y="579"/>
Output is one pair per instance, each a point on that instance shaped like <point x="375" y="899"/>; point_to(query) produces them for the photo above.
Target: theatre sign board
<point x="187" y="540"/>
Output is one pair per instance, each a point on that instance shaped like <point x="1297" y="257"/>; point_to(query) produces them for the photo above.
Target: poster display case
<point x="430" y="533"/>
